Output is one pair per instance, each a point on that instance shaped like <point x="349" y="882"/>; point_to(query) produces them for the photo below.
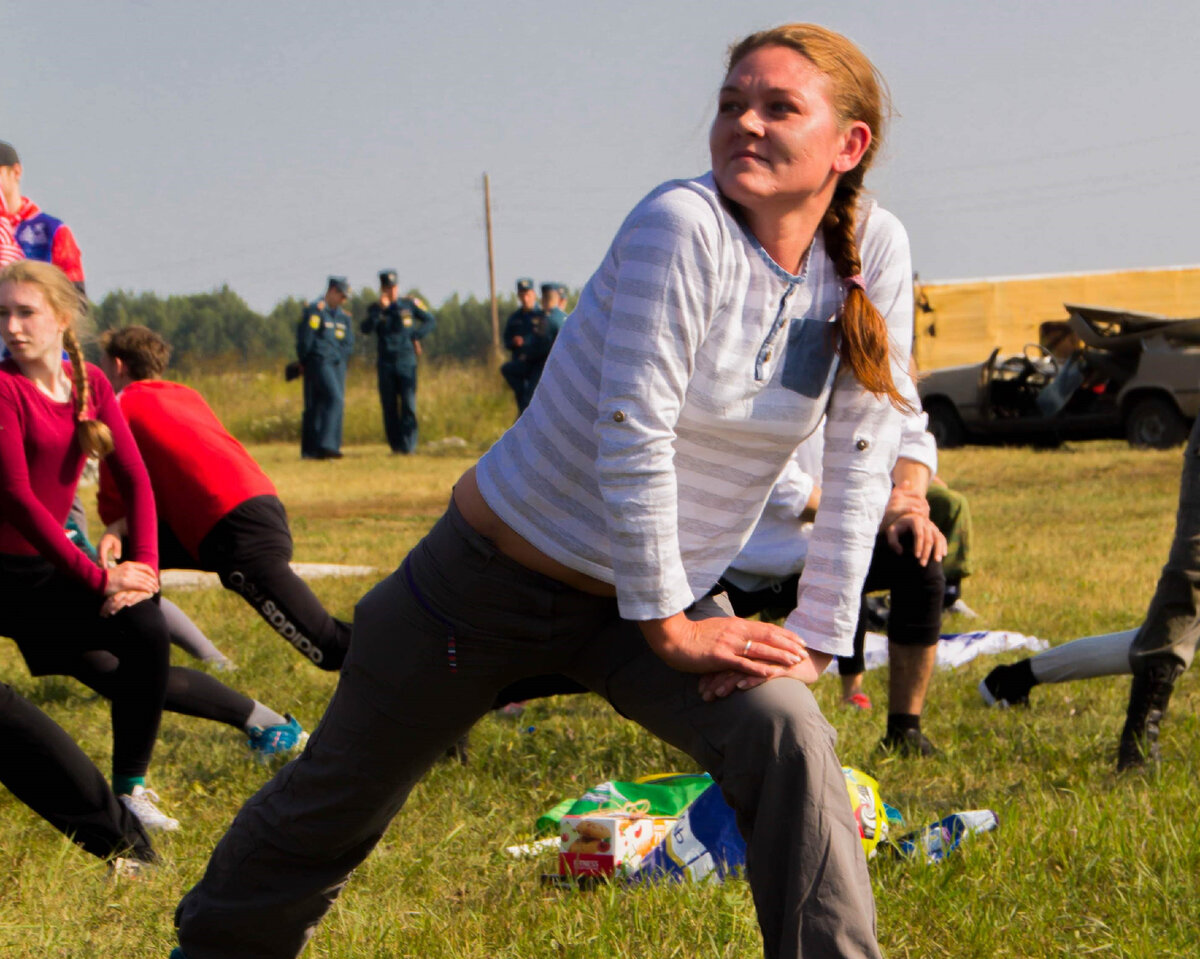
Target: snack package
<point x="937" y="840"/>
<point x="870" y="813"/>
<point x="667" y="794"/>
<point x="608" y="843"/>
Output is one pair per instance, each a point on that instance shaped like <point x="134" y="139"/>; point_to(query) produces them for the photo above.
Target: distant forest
<point x="205" y="329"/>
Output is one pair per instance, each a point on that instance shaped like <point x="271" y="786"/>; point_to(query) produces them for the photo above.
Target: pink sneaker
<point x="859" y="700"/>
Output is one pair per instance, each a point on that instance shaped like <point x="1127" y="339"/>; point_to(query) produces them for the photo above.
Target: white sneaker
<point x="962" y="609"/>
<point x="136" y="869"/>
<point x="141" y="802"/>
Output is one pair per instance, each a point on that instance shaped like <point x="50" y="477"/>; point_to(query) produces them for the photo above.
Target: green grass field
<point x="1068" y="542"/>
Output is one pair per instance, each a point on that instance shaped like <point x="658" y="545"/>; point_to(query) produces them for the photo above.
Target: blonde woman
<point x="731" y="314"/>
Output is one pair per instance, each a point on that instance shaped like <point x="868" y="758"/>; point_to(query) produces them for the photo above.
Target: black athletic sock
<point x="1022" y="672"/>
<point x="899" y="723"/>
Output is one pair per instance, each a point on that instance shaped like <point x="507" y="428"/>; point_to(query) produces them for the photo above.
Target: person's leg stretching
<point x="43" y="767"/>
<point x="1085" y="658"/>
<point x="188" y="636"/>
<point x="772" y="753"/>
<point x="914" y="622"/>
<point x="1166" y="642"/>
<point x="425" y="664"/>
<point x="250" y="548"/>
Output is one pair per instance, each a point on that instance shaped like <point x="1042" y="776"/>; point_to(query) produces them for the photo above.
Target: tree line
<point x="219" y="326"/>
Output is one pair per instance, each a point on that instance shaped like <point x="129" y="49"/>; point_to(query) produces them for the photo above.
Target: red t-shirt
<point x="40" y="464"/>
<point x="198" y="470"/>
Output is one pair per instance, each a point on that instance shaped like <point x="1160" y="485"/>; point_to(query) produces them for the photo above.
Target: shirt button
<point x="861" y="445"/>
<point x="618" y="417"/>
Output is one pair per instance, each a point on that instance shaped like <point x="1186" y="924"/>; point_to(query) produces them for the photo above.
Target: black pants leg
<point x="915" y="617"/>
<point x="56" y="622"/>
<point x="43" y="767"/>
<point x="189" y="691"/>
<point x="249" y="548"/>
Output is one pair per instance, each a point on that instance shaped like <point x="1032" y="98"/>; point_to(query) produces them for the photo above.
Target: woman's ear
<point x="856" y="138"/>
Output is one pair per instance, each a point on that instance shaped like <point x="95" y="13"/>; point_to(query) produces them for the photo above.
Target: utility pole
<point x="487" y="215"/>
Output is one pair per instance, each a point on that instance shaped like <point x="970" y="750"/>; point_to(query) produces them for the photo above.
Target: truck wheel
<point x="945" y="424"/>
<point x="1154" y="423"/>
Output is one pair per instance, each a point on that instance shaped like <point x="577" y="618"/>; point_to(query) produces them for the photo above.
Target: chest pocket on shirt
<point x="811" y="359"/>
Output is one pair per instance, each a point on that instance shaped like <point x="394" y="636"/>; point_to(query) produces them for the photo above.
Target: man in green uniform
<point x="324" y="339"/>
<point x="400" y="323"/>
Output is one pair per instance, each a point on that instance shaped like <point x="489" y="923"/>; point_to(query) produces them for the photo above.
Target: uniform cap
<point x="523" y="284"/>
<point x="547" y="287"/>
<point x="8" y="154"/>
<point x="387" y="277"/>
<point x="341" y="284"/>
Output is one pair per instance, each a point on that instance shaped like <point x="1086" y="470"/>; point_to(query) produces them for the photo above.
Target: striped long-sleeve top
<point x="690" y="370"/>
<point x="778" y="547"/>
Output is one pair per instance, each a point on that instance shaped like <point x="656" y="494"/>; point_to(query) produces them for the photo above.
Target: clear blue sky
<point x="267" y="144"/>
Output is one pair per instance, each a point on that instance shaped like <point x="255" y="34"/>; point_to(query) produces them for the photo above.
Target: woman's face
<point x="776" y="140"/>
<point x="29" y="328"/>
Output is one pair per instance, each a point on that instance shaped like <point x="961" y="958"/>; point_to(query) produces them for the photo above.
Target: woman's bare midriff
<point x="486" y="523"/>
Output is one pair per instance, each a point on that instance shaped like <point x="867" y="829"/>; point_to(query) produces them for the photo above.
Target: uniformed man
<point x="518" y="330"/>
<point x="324" y="339"/>
<point x="546" y="325"/>
<point x="400" y="323"/>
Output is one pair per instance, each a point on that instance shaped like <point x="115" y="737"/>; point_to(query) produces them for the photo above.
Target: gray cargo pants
<point x="432" y="645"/>
<point x="1172" y="625"/>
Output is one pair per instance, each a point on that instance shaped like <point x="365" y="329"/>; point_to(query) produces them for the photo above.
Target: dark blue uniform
<point x="399" y="326"/>
<point x="546" y="326"/>
<point x="324" y="339"/>
<point x="516" y="370"/>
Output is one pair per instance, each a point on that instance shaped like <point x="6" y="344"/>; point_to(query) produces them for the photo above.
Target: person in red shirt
<point x="218" y="511"/>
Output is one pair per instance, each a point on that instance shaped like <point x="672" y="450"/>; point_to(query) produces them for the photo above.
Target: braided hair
<point x="66" y="302"/>
<point x="858" y="92"/>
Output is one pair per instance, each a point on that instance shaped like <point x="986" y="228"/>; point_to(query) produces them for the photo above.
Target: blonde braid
<point x="863" y="329"/>
<point x="94" y="437"/>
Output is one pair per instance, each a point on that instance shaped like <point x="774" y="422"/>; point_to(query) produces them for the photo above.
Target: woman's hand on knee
<point x="123" y="599"/>
<point x="719" y="685"/>
<point x="724" y="643"/>
<point x="131" y="576"/>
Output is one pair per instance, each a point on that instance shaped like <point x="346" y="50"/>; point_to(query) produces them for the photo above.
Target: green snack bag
<point x="666" y="795"/>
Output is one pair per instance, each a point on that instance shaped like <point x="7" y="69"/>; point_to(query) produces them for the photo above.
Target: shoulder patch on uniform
<point x="314" y="321"/>
<point x="420" y="303"/>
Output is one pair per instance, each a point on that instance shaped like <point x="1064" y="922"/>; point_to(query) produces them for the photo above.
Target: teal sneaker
<point x="276" y="741"/>
<point x="178" y="953"/>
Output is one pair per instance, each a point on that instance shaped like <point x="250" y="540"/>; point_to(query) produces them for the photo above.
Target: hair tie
<point x="854" y="283"/>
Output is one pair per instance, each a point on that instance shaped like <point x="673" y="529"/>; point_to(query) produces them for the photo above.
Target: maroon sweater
<point x="40" y="465"/>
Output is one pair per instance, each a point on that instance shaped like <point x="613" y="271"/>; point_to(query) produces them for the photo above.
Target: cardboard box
<point x="608" y="842"/>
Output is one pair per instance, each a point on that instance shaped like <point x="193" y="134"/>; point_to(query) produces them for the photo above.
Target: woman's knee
<point x="778" y="721"/>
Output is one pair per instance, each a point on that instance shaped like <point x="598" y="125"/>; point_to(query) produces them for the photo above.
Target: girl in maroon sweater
<point x="66" y="614"/>
<point x="106" y="628"/>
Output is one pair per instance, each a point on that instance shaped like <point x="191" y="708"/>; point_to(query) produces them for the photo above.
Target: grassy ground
<point x="1067" y="542"/>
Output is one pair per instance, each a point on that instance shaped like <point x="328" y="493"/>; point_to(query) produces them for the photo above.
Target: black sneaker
<point x="907" y="742"/>
<point x="1008" y="686"/>
<point x="1148" y="697"/>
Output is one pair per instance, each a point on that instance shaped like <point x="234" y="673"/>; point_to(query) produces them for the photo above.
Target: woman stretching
<point x="67" y="615"/>
<point x="731" y="313"/>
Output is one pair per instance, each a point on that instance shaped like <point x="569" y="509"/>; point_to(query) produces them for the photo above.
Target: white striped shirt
<point x="690" y="370"/>
<point x="778" y="547"/>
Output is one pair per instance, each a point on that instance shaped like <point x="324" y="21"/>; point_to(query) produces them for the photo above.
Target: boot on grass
<point x="1148" y="697"/>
